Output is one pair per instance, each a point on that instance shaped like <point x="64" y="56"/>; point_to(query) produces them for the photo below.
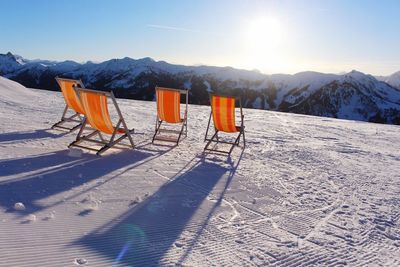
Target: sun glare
<point x="263" y="40"/>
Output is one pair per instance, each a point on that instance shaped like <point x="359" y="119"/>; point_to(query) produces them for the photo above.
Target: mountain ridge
<point x="352" y="95"/>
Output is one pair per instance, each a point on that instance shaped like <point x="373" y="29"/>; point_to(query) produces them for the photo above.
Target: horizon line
<point x="202" y="65"/>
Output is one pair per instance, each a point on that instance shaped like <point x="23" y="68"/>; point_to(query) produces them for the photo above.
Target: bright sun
<point x="263" y="39"/>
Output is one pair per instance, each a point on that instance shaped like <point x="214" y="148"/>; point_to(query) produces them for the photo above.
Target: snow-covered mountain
<point x="393" y="80"/>
<point x="350" y="96"/>
<point x="354" y="95"/>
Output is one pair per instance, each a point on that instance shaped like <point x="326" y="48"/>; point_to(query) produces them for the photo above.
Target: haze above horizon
<point x="270" y="36"/>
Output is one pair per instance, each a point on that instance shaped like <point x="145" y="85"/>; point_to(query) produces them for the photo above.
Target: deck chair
<point x="95" y="105"/>
<point x="169" y="111"/>
<point x="72" y="103"/>
<point x="223" y="115"/>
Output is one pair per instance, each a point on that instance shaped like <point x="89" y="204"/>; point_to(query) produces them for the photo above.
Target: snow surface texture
<point x="14" y="93"/>
<point x="305" y="191"/>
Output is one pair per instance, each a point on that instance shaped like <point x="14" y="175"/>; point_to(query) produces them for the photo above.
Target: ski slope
<point x="305" y="191"/>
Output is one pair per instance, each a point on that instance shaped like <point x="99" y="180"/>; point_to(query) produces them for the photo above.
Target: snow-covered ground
<point x="305" y="191"/>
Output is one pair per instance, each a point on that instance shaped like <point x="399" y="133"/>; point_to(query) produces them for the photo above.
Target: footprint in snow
<point x="80" y="261"/>
<point x="50" y="216"/>
<point x="29" y="219"/>
<point x="178" y="244"/>
<point x="136" y="201"/>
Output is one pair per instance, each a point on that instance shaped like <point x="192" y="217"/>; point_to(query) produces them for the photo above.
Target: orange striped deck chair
<point x="223" y="117"/>
<point x="72" y="104"/>
<point x="97" y="117"/>
<point x="169" y="111"/>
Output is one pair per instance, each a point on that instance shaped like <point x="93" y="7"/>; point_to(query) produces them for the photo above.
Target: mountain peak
<point x="146" y="60"/>
<point x="12" y="56"/>
<point x="126" y="58"/>
<point x="356" y="72"/>
<point x="397" y="73"/>
<point x="10" y="63"/>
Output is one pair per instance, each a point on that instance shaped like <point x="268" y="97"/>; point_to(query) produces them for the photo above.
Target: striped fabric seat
<point x="168" y="105"/>
<point x="72" y="100"/>
<point x="223" y="110"/>
<point x="97" y="114"/>
<point x="95" y="104"/>
<point x="72" y="103"/>
<point x="169" y="111"/>
<point x="223" y="116"/>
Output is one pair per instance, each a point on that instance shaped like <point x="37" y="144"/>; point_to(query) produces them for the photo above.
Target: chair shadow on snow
<point x="36" y="162"/>
<point x="144" y="235"/>
<point x="56" y="172"/>
<point x="27" y="135"/>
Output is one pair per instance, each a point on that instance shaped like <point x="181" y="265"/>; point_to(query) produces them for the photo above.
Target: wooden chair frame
<point x="159" y="122"/>
<point x="76" y="117"/>
<point x="107" y="144"/>
<point x="214" y="138"/>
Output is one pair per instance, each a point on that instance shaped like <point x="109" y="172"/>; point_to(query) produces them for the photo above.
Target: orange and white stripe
<point x="70" y="96"/>
<point x="168" y="105"/>
<point x="223" y="110"/>
<point x="96" y="110"/>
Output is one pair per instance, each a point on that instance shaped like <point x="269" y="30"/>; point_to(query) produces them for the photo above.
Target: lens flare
<point x="123" y="251"/>
<point x="130" y="237"/>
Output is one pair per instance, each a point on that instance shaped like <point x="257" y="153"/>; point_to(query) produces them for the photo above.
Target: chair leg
<point x="80" y="138"/>
<point x="231" y="149"/>
<point x="101" y="137"/>
<point x="236" y="143"/>
<point x="130" y="137"/>
<point x="127" y="131"/>
<point x="65" y="119"/>
<point x="103" y="149"/>
<point x="244" y="140"/>
<point x="158" y="130"/>
<point x="62" y="117"/>
<point x="208" y="127"/>
<point x="215" y="139"/>
<point x="211" y="140"/>
<point x="186" y="127"/>
<point x="238" y="139"/>
<point x="158" y="125"/>
<point x="114" y="142"/>
<point x="180" y="133"/>
<point x="76" y="127"/>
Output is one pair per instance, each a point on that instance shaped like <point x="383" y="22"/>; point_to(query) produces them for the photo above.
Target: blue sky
<point x="271" y="36"/>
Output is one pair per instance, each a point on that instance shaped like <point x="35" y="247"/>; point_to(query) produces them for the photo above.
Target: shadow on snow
<point x="53" y="173"/>
<point x="26" y="135"/>
<point x="144" y="234"/>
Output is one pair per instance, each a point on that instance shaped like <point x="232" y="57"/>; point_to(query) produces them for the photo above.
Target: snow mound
<point x="19" y="206"/>
<point x="80" y="261"/>
<point x="11" y="91"/>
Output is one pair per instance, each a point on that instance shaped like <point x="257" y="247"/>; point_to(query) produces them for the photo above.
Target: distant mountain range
<point x="353" y="95"/>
